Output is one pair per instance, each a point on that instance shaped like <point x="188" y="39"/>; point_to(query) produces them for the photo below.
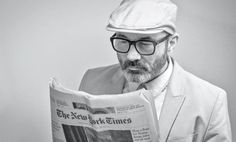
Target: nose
<point x="133" y="55"/>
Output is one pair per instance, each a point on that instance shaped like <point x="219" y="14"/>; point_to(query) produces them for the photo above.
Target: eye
<point x="120" y="41"/>
<point x="145" y="43"/>
<point x="123" y="41"/>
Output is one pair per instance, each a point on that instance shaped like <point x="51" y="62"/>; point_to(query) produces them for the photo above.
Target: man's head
<point x="143" y="56"/>
<point x="144" y="34"/>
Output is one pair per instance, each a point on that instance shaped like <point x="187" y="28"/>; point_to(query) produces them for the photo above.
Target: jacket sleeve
<point x="219" y="129"/>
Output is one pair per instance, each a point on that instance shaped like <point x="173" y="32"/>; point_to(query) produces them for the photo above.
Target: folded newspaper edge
<point x="80" y="116"/>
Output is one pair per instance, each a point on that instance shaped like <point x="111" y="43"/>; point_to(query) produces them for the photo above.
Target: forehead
<point x="137" y="36"/>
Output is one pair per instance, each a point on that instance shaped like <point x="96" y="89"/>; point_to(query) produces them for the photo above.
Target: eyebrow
<point x="143" y="38"/>
<point x="120" y="35"/>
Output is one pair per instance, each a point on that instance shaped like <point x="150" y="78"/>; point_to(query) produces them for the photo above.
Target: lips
<point x="134" y="70"/>
<point x="134" y="67"/>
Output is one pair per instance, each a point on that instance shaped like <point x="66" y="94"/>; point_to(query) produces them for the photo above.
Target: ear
<point x="172" y="42"/>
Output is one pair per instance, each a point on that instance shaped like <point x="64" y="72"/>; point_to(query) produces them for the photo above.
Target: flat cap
<point x="144" y="16"/>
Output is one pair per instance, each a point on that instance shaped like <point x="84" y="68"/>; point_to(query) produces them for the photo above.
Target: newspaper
<point x="81" y="117"/>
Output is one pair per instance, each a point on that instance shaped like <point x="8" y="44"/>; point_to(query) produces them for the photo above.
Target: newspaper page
<point x="81" y="117"/>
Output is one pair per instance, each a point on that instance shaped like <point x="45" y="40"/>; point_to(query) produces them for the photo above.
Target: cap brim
<point x="140" y="31"/>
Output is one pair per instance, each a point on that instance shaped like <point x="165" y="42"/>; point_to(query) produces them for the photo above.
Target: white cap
<point x="144" y="16"/>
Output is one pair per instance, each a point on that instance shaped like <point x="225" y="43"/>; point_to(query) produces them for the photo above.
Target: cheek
<point x="120" y="57"/>
<point x="157" y="56"/>
<point x="160" y="50"/>
<point x="149" y="60"/>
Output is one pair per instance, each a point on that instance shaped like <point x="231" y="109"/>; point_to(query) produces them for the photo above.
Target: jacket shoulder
<point x="193" y="85"/>
<point x="102" y="72"/>
<point x="202" y="86"/>
<point x="104" y="69"/>
<point x="98" y="78"/>
<point x="202" y="95"/>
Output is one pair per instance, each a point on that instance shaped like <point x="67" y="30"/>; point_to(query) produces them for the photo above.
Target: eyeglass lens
<point x="143" y="47"/>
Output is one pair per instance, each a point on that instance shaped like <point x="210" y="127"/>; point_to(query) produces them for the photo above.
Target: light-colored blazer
<point x="193" y="110"/>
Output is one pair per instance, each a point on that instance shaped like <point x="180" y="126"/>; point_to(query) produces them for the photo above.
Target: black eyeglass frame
<point x="155" y="43"/>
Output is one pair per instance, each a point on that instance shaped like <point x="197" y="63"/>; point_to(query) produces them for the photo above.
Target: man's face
<point x="142" y="68"/>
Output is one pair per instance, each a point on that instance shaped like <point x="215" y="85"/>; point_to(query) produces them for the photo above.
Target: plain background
<point x="63" y="38"/>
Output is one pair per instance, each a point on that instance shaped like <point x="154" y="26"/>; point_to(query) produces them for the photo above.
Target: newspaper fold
<point x="81" y="117"/>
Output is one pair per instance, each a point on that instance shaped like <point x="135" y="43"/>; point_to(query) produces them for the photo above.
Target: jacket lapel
<point x="173" y="102"/>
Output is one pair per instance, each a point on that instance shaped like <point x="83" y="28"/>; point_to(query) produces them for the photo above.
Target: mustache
<point x="136" y="64"/>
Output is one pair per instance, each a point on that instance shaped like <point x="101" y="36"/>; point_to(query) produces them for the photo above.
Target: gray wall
<point x="40" y="39"/>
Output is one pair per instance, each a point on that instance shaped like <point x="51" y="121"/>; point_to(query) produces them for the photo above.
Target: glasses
<point x="143" y="47"/>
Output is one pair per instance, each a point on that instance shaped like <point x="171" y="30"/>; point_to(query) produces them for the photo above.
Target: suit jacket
<point x="193" y="110"/>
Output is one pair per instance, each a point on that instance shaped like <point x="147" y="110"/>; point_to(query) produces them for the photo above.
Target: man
<point x="188" y="108"/>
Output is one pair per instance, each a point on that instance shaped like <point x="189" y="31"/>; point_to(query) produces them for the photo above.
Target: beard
<point x="141" y="71"/>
